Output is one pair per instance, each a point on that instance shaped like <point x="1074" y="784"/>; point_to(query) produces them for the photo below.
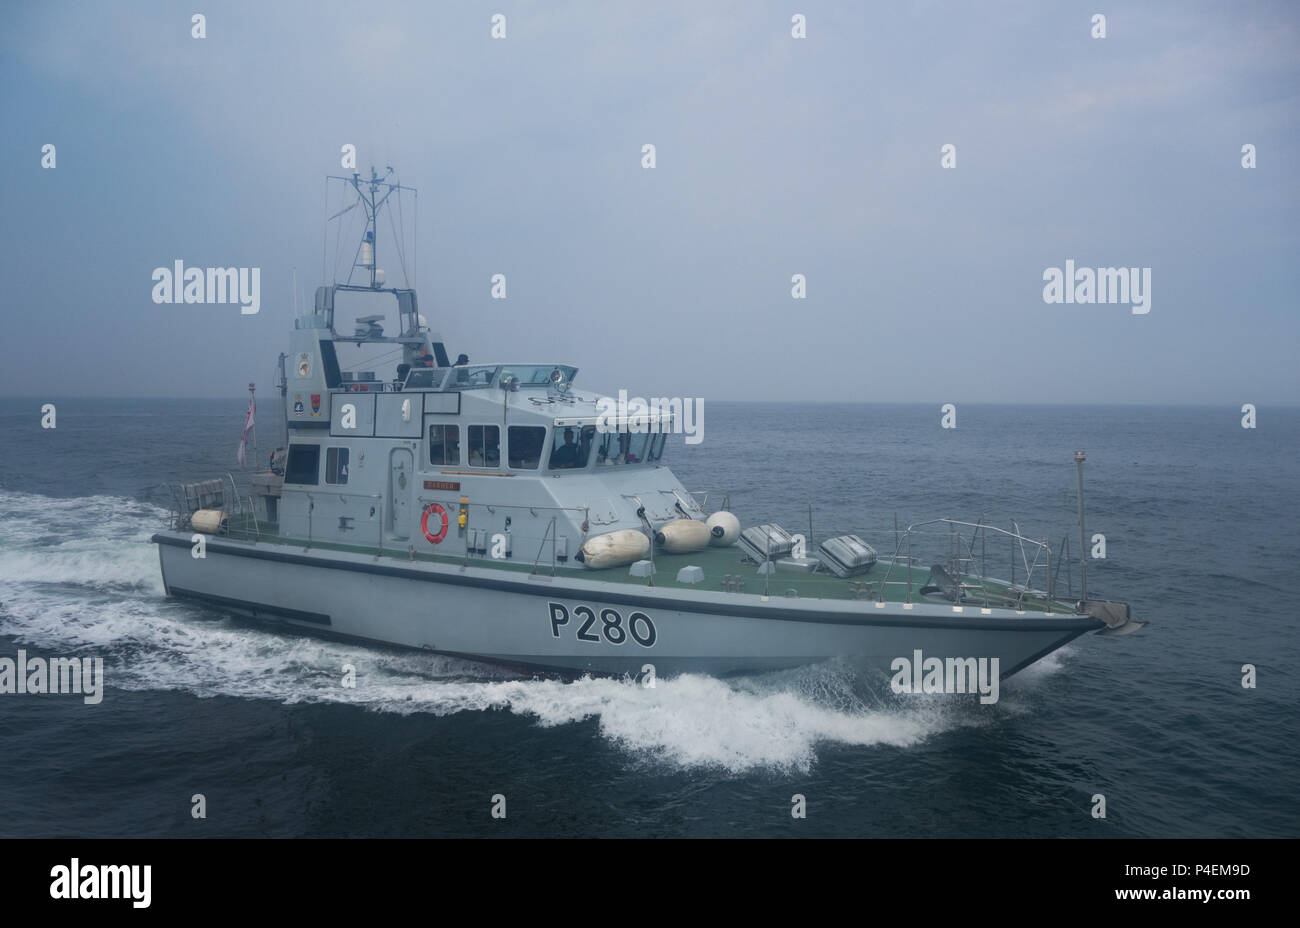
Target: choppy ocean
<point x="1202" y="524"/>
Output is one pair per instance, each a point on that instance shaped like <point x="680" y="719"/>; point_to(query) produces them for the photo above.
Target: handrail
<point x="1042" y="550"/>
<point x="969" y="572"/>
<point x="549" y="532"/>
<point x="251" y="513"/>
<point x="491" y="507"/>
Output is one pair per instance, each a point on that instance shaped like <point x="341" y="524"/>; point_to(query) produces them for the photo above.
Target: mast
<point x="252" y="404"/>
<point x="1083" y="542"/>
<point x="372" y="194"/>
<point x="284" y="401"/>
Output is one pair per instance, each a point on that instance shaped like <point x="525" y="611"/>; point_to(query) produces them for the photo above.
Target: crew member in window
<point x="567" y="454"/>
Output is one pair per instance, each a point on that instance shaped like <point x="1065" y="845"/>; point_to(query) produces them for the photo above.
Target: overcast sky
<point x="775" y="156"/>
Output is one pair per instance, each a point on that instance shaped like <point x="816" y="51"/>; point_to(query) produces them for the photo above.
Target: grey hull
<point x="578" y="624"/>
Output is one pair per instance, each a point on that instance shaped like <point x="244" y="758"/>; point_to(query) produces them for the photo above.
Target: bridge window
<point x="444" y="444"/>
<point x="474" y="378"/>
<point x="571" y="447"/>
<point x="484" y="446"/>
<point x="526" y="443"/>
<point x="538" y="375"/>
<point x="621" y="448"/>
<point x="303" y="465"/>
<point x="423" y="378"/>
<point x="656" y="450"/>
<point x="336" y="465"/>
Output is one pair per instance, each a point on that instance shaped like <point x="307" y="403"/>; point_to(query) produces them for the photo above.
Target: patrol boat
<point x="496" y="512"/>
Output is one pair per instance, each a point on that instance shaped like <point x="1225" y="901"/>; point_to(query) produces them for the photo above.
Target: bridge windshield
<point x="571" y="447"/>
<point x="537" y="375"/>
<point x="622" y="447"/>
<point x="473" y="378"/>
<point x="424" y="378"/>
<point x="479" y="376"/>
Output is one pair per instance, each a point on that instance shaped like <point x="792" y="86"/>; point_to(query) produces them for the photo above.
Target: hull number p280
<point x="607" y="624"/>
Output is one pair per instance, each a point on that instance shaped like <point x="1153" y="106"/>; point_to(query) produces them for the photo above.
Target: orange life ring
<point x="424" y="523"/>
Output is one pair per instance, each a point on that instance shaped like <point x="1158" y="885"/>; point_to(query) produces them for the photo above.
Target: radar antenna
<point x="372" y="194"/>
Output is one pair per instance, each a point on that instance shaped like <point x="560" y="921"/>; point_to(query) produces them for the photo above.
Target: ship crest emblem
<point x="304" y="364"/>
<point x="315" y="404"/>
<point x="297" y="404"/>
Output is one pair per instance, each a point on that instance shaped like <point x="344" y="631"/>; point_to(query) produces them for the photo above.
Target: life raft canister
<point x="424" y="523"/>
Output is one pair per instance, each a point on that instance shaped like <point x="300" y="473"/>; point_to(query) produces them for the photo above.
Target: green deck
<point x="717" y="564"/>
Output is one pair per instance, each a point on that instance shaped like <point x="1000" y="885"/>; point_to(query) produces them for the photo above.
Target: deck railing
<point x="1032" y="582"/>
<point x="963" y="562"/>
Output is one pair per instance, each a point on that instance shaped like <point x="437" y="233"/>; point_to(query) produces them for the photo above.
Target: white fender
<point x="614" y="549"/>
<point x="724" y="529"/>
<point x="683" y="536"/>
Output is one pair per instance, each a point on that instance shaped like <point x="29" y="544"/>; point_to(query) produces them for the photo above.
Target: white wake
<point x="79" y="576"/>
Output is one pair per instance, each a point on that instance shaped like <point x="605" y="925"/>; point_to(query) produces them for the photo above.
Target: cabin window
<point x="336" y="465"/>
<point x="571" y="447"/>
<point x="656" y="450"/>
<point x="484" y="446"/>
<point x="444" y="444"/>
<point x="474" y="378"/>
<point x="422" y="378"/>
<point x="538" y="375"/>
<point x="526" y="443"/>
<point x="303" y="465"/>
<point x="621" y="447"/>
